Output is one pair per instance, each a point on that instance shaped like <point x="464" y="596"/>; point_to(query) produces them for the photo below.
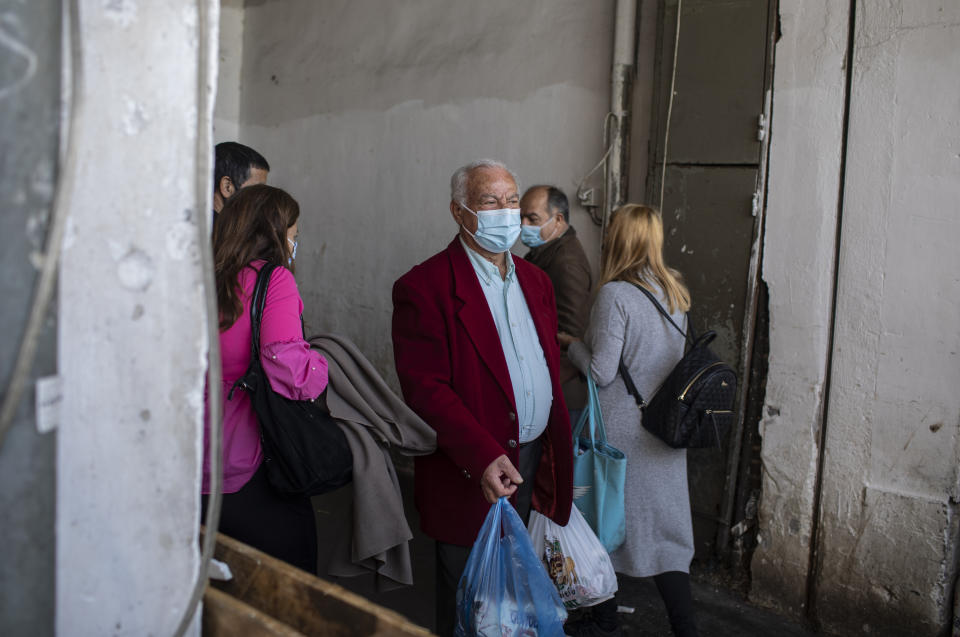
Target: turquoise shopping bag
<point x="599" y="472"/>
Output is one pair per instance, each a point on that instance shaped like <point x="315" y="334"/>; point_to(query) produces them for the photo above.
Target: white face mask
<point x="497" y="230"/>
<point x="293" y="253"/>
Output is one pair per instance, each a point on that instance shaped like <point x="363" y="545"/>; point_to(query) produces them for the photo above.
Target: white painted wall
<point x="887" y="544"/>
<point x="365" y="108"/>
<point x="890" y="488"/>
<point x="803" y="187"/>
<point x="226" y="113"/>
<point x="132" y="343"/>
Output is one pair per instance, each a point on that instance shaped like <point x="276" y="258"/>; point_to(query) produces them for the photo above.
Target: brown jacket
<point x="565" y="262"/>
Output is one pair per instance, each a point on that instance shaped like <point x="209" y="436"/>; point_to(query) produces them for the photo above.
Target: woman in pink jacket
<point x="258" y="226"/>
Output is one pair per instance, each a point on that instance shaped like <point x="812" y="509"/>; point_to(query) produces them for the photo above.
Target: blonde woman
<point x="625" y="324"/>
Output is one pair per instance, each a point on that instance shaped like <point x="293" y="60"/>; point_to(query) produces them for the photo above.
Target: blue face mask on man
<point x="497" y="230"/>
<point x="531" y="236"/>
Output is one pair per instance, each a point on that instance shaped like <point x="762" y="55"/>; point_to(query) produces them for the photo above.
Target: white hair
<point x="458" y="182"/>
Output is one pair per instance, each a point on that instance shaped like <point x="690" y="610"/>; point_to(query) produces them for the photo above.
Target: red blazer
<point x="453" y="374"/>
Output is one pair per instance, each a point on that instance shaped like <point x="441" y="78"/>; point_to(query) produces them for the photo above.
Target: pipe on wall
<point x="621" y="97"/>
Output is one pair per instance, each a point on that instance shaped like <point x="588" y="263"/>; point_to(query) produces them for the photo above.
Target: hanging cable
<point x="673" y="81"/>
<point x="583" y="195"/>
<point x="47" y="278"/>
<point x="214" y="370"/>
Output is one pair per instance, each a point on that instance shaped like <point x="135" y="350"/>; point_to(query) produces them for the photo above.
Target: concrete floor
<point x="719" y="612"/>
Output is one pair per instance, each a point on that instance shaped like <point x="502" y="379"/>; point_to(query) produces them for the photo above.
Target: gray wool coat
<point x="624" y="322"/>
<point x="373" y="419"/>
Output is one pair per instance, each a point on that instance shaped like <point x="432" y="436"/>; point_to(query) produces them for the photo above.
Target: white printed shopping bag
<point x="575" y="559"/>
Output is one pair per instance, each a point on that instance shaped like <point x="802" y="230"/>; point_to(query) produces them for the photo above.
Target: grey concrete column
<point x="132" y="338"/>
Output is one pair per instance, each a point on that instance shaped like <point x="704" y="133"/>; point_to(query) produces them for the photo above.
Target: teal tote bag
<point x="599" y="472"/>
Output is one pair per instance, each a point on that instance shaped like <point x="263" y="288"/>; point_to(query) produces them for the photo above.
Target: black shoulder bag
<point x="693" y="408"/>
<point x="304" y="449"/>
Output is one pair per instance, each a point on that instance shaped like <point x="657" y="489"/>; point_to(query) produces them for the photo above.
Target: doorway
<point x="713" y="184"/>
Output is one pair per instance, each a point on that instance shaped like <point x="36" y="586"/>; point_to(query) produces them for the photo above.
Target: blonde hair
<point x="633" y="252"/>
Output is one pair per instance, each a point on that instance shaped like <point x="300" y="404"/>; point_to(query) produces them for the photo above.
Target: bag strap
<point x="257" y="302"/>
<point x="631" y="387"/>
<point x="689" y="335"/>
<point x="592" y="415"/>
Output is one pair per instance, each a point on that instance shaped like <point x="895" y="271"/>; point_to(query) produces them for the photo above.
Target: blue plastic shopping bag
<point x="599" y="472"/>
<point x="504" y="589"/>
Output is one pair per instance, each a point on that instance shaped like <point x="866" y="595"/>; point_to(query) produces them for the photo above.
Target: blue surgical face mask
<point x="531" y="235"/>
<point x="293" y="253"/>
<point x="497" y="230"/>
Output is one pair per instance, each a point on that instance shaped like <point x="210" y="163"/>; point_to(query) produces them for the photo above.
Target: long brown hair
<point x="253" y="225"/>
<point x="633" y="252"/>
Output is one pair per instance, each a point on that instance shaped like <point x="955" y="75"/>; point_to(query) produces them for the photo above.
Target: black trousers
<point x="674" y="588"/>
<point x="270" y="522"/>
<point x="452" y="559"/>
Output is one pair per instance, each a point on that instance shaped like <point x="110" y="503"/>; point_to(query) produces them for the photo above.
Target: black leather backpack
<point x="693" y="408"/>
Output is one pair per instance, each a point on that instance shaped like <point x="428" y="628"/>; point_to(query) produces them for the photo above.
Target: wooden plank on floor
<point x="303" y="601"/>
<point x="226" y="616"/>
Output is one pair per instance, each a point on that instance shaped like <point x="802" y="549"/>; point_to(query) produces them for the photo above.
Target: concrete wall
<point x="886" y="549"/>
<point x="226" y="113"/>
<point x="803" y="187"/>
<point x="890" y="485"/>
<point x="30" y="130"/>
<point x="365" y="108"/>
<point x="132" y="341"/>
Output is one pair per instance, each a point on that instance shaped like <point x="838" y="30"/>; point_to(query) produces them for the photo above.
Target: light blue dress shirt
<point x="532" y="389"/>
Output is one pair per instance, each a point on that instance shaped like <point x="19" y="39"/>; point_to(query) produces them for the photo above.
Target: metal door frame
<point x="734" y="446"/>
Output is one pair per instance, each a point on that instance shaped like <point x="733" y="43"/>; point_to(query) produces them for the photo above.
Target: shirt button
<point x="512" y="443"/>
<point x="274" y="357"/>
<point x="512" y="416"/>
<point x="521" y="358"/>
<point x="466" y="474"/>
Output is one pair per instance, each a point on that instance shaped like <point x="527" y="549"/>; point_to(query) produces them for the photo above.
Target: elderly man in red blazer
<point x="474" y="338"/>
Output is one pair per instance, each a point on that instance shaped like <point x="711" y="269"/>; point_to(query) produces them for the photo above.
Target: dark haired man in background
<point x="555" y="249"/>
<point x="235" y="166"/>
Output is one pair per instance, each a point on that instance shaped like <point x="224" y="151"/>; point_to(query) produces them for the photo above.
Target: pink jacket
<point x="294" y="371"/>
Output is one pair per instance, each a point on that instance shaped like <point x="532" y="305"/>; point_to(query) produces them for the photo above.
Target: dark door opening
<point x="713" y="198"/>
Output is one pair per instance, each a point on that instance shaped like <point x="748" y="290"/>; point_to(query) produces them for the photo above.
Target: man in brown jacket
<point x="555" y="249"/>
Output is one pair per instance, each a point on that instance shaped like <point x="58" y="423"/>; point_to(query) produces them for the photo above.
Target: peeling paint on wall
<point x="887" y="552"/>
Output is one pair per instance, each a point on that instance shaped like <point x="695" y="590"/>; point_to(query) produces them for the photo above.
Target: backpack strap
<point x="689" y="334"/>
<point x="631" y="387"/>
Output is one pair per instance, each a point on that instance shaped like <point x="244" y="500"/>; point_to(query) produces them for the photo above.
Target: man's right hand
<point x="499" y="479"/>
<point x="565" y="339"/>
